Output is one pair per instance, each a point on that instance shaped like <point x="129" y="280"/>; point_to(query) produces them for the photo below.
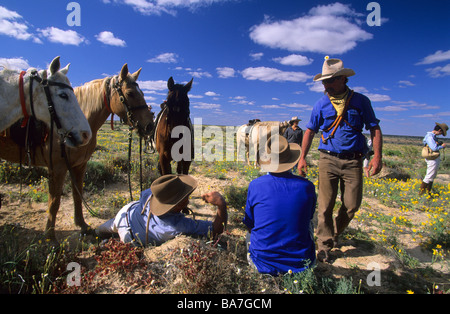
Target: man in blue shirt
<point x="279" y="212"/>
<point x="341" y="114"/>
<point x="157" y="218"/>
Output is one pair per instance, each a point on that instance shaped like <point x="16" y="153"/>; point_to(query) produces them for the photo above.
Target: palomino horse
<point x="253" y="137"/>
<point x="175" y="113"/>
<point x="51" y="98"/>
<point x="120" y="95"/>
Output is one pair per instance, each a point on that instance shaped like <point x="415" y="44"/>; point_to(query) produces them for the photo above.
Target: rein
<point x="135" y="124"/>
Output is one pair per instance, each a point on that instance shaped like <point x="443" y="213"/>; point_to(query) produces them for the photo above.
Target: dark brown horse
<point x="120" y="95"/>
<point x="174" y="132"/>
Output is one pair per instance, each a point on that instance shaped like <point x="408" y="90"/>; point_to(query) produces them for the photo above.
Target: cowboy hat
<point x="279" y="155"/>
<point x="169" y="190"/>
<point x="293" y="119"/>
<point x="444" y="127"/>
<point x="332" y="68"/>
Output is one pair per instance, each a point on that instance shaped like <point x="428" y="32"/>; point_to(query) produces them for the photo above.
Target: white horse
<point x="52" y="98"/>
<point x="258" y="135"/>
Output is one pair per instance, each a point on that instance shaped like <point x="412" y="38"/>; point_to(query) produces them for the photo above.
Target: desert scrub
<point x="308" y="282"/>
<point x="236" y="196"/>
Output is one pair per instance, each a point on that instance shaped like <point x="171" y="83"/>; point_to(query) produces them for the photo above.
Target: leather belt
<point x="348" y="155"/>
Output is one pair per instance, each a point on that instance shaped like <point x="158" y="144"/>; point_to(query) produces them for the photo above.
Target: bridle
<point x="51" y="106"/>
<point x="117" y="86"/>
<point x="134" y="124"/>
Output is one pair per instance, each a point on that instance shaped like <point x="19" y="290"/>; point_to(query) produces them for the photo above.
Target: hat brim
<point x="443" y="128"/>
<point x="276" y="166"/>
<point x="342" y="72"/>
<point x="158" y="209"/>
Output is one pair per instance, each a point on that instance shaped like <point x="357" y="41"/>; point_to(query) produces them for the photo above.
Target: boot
<point x="423" y="187"/>
<point x="429" y="186"/>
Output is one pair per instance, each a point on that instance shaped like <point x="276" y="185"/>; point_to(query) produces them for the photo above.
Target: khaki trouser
<point x="335" y="172"/>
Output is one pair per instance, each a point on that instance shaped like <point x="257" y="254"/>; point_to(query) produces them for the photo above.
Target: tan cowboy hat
<point x="279" y="155"/>
<point x="169" y="190"/>
<point x="332" y="68"/>
<point x="293" y="119"/>
<point x="444" y="127"/>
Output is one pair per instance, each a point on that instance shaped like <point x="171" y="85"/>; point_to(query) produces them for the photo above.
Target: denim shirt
<point x="430" y="139"/>
<point x="348" y="138"/>
<point x="165" y="227"/>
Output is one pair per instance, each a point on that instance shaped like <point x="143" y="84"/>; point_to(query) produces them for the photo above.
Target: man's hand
<point x="220" y="221"/>
<point x="214" y="198"/>
<point x="302" y="167"/>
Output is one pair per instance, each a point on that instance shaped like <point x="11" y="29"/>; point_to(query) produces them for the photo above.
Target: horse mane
<point x="270" y="123"/>
<point x="90" y="91"/>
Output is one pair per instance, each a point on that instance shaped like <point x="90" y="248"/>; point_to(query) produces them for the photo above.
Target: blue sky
<point x="249" y="58"/>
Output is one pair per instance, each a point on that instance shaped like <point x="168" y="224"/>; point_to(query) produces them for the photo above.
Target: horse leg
<point x="164" y="165"/>
<point x="55" y="186"/>
<point x="77" y="194"/>
<point x="183" y="167"/>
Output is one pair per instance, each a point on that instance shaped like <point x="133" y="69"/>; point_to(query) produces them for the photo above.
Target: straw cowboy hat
<point x="293" y="119"/>
<point x="332" y="68"/>
<point x="279" y="155"/>
<point x="444" y="127"/>
<point x="169" y="190"/>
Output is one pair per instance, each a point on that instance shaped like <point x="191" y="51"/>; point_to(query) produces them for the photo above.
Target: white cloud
<point x="256" y="56"/>
<point x="439" y="71"/>
<point x="153" y="85"/>
<point x="330" y="29"/>
<point x="211" y="94"/>
<point x="158" y="7"/>
<point x="108" y="38"/>
<point x="377" y="97"/>
<point x="270" y="74"/>
<point x="200" y="74"/>
<point x="315" y="87"/>
<point x="11" y="25"/>
<point x="294" y="59"/>
<point x="406" y="83"/>
<point x="168" y="57"/>
<point x="205" y="106"/>
<point x="14" y="63"/>
<point x="60" y="36"/>
<point x="226" y="72"/>
<point x="438" y="56"/>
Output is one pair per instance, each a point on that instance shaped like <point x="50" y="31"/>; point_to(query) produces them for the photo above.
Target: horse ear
<point x="135" y="75"/>
<point x="188" y="86"/>
<point x="44" y="74"/>
<point x="55" y="65"/>
<point x="170" y="84"/>
<point x="65" y="69"/>
<point x="124" y="72"/>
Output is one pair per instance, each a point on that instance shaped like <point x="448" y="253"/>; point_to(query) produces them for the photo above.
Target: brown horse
<point x="173" y="121"/>
<point x="119" y="95"/>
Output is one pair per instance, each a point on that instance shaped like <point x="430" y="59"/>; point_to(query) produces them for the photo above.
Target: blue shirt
<point x="348" y="138"/>
<point x="430" y="139"/>
<point x="279" y="213"/>
<point x="165" y="227"/>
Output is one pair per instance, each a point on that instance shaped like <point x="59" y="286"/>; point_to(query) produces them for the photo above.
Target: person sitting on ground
<point x="279" y="212"/>
<point x="157" y="217"/>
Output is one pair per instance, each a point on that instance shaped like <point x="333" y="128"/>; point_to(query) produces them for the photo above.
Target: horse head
<point x="56" y="91"/>
<point x="129" y="102"/>
<point x="178" y="101"/>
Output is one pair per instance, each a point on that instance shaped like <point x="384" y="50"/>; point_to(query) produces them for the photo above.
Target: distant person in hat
<point x="341" y="114"/>
<point x="294" y="134"/>
<point x="279" y="212"/>
<point x="431" y="140"/>
<point x="157" y="218"/>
